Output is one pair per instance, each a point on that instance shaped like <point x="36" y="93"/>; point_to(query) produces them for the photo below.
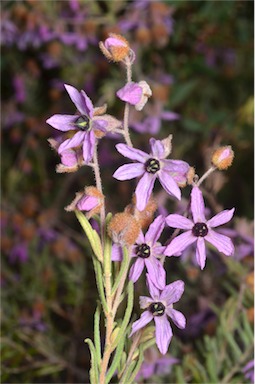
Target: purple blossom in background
<point x="158" y="307"/>
<point x="152" y="124"/>
<point x="151" y="167"/>
<point x="155" y="364"/>
<point x="19" y="253"/>
<point x="146" y="250"/>
<point x="248" y="371"/>
<point x="199" y="230"/>
<point x="88" y="124"/>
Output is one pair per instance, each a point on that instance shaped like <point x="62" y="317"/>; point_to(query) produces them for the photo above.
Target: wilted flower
<point x="199" y="230"/>
<point x="92" y="123"/>
<point x="150" y="167"/>
<point x="136" y="94"/>
<point x="158" y="307"/>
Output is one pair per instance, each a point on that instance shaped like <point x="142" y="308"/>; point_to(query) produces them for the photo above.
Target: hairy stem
<point x="205" y="175"/>
<point x="127" y="107"/>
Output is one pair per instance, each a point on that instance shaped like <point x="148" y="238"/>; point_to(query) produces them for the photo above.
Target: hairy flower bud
<point x="123" y="229"/>
<point x="223" y="157"/>
<point x="90" y="200"/>
<point x="115" y="47"/>
<point x="144" y="217"/>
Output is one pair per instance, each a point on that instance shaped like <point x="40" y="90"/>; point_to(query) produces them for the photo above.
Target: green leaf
<point x="94" y="363"/>
<point x="123" y="268"/>
<point x="100" y="284"/>
<point x="130" y="301"/>
<point x="97" y="339"/>
<point x="92" y="235"/>
<point x="116" y="359"/>
<point x="181" y="92"/>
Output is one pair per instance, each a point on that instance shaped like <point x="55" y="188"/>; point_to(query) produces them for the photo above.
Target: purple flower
<point x="150" y="167"/>
<point x="199" y="230"/>
<point x="136" y="94"/>
<point x="89" y="125"/>
<point x="146" y="250"/>
<point x="248" y="371"/>
<point x="19" y="253"/>
<point x="155" y="364"/>
<point x="158" y="307"/>
<point x="152" y="123"/>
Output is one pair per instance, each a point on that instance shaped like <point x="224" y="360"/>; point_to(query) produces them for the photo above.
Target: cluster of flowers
<point x="126" y="228"/>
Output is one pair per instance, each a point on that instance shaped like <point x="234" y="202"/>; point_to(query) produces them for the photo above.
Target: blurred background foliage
<point x="198" y="58"/>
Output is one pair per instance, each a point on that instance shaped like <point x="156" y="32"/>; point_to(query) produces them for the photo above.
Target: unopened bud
<point x="144" y="217"/>
<point x="123" y="229"/>
<point x="114" y="335"/>
<point x="115" y="47"/>
<point x="223" y="157"/>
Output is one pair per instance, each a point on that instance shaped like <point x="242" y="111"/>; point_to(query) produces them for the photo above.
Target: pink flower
<point x="89" y="125"/>
<point x="199" y="230"/>
<point x="158" y="308"/>
<point x="152" y="166"/>
<point x="136" y="94"/>
<point x="146" y="250"/>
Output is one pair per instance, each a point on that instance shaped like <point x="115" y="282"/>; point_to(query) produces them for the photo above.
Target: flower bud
<point x="90" y="201"/>
<point x="144" y="217"/>
<point x="222" y="158"/>
<point x="123" y="229"/>
<point x="115" y="47"/>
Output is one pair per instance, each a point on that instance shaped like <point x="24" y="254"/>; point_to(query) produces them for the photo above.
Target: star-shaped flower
<point x="158" y="307"/>
<point x="152" y="166"/>
<point x="146" y="250"/>
<point x="199" y="229"/>
<point x="91" y="123"/>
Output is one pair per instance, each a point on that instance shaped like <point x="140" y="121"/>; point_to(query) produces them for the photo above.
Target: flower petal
<point x="156" y="272"/>
<point x="163" y="333"/>
<point x="145" y="318"/>
<point x="155" y="230"/>
<point x="200" y="252"/>
<point x="129" y="171"/>
<point x="86" y="203"/>
<point x="63" y="123"/>
<point x="88" y="146"/>
<point x="143" y="190"/>
<point x="178" y="221"/>
<point x="172" y="292"/>
<point x="99" y="123"/>
<point x="221" y="218"/>
<point x="221" y="242"/>
<point x="145" y="301"/>
<point x="177" y="317"/>
<point x="197" y="205"/>
<point x="157" y="148"/>
<point x="154" y="291"/>
<point x="179" y="243"/>
<point x="169" y="184"/>
<point x="117" y="254"/>
<point x="79" y="100"/>
<point x="73" y="142"/>
<point x="132" y="153"/>
<point x="136" y="269"/>
<point x="130" y="93"/>
<point x="89" y="109"/>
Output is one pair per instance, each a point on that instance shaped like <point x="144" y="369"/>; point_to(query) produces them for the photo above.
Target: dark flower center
<point x="82" y="123"/>
<point x="143" y="251"/>
<point x="152" y="165"/>
<point x="157" y="309"/>
<point x="200" y="230"/>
